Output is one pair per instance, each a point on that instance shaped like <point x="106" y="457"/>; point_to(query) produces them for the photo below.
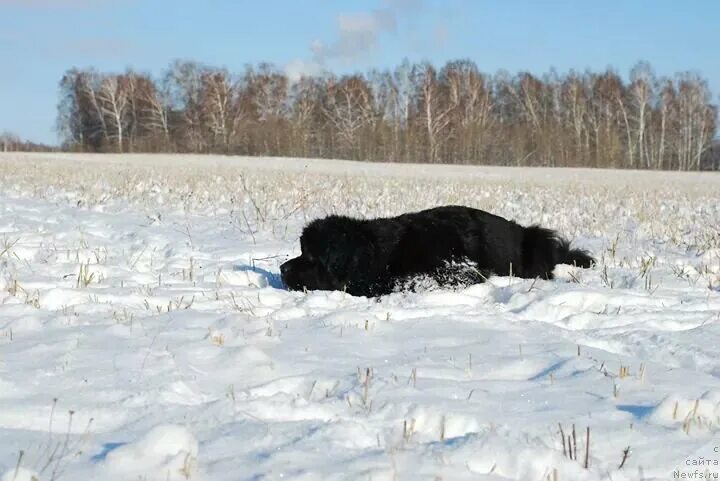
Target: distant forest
<point x="413" y="113"/>
<point x="12" y="143"/>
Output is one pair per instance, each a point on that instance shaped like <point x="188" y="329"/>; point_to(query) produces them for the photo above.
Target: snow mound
<point x="689" y="413"/>
<point x="165" y="452"/>
<point x="241" y="278"/>
<point x="20" y="474"/>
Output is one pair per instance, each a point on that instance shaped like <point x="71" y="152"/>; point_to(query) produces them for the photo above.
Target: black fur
<point x="373" y="257"/>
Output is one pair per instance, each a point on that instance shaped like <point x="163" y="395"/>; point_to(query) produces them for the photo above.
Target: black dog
<point x="451" y="245"/>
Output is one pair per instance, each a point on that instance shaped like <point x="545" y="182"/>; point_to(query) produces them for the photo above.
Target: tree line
<point x="412" y="113"/>
<point x="10" y="142"/>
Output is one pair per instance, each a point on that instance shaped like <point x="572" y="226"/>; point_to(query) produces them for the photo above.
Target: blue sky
<point x="40" y="39"/>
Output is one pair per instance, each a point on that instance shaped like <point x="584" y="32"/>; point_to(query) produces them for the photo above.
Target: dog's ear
<point x="350" y="260"/>
<point x="315" y="242"/>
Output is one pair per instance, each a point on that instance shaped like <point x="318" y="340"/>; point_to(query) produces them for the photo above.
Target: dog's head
<point x="333" y="252"/>
<point x="302" y="273"/>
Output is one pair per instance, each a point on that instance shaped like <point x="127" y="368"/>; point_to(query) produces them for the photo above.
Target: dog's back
<point x="496" y="245"/>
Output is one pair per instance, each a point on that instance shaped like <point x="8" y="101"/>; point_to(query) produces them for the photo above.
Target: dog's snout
<point x="298" y="273"/>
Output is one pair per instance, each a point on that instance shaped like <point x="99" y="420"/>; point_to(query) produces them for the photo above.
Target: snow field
<point x="145" y="334"/>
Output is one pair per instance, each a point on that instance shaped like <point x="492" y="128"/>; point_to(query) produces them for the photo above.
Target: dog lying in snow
<point x="451" y="245"/>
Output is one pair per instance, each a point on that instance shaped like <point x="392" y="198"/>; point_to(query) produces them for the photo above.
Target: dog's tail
<point x="543" y="249"/>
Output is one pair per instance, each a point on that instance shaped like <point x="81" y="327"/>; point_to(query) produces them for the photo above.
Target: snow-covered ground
<point x="145" y="334"/>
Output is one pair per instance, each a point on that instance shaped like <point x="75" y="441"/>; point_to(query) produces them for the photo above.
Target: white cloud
<point x="359" y="33"/>
<point x="298" y="68"/>
<point x="358" y="36"/>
